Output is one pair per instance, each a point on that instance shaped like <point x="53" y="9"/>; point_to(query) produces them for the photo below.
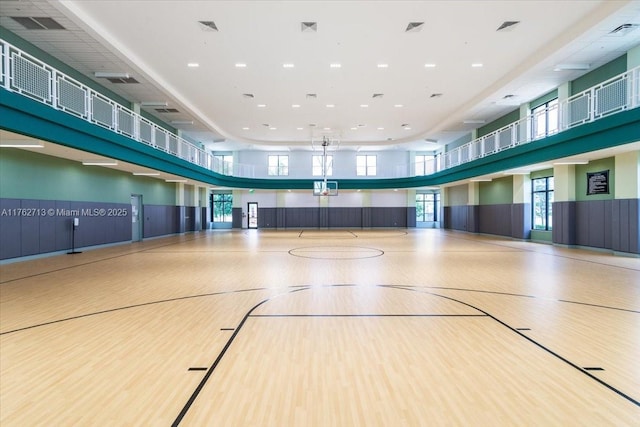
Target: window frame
<point x="537" y="114"/>
<point x="226" y="202"/>
<point x="428" y="211"/>
<point x="319" y="172"/>
<point x="226" y="160"/>
<point x="370" y="166"/>
<point x="547" y="210"/>
<point x="281" y="166"/>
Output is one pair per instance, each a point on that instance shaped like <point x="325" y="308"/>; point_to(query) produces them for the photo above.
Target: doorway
<point x="136" y="215"/>
<point x="252" y="208"/>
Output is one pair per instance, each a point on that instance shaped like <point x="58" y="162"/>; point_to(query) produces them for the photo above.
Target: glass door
<point x="253" y="215"/>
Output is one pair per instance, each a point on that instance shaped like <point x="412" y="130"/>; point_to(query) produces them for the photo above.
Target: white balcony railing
<point x="24" y="74"/>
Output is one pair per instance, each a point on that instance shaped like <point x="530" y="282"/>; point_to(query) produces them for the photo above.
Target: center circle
<point x="336" y="252"/>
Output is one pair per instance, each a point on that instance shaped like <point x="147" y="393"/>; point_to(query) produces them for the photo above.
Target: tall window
<point x="225" y="163"/>
<point x="424" y="164"/>
<point x="319" y="167"/>
<point x="366" y="165"/>
<point x="545" y="119"/>
<point x="427" y="206"/>
<point x="222" y="207"/>
<point x="278" y="165"/>
<point x="542" y="203"/>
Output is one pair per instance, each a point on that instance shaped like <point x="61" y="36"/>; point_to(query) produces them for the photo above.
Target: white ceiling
<point x="155" y="40"/>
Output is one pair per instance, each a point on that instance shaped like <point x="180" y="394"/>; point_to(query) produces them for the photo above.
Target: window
<point x="427" y="206"/>
<point x="278" y="165"/>
<point x="545" y="119"/>
<point x="366" y="165"/>
<point x="223" y="164"/>
<point x="318" y="166"/>
<point x="222" y="207"/>
<point x="424" y="164"/>
<point x="542" y="203"/>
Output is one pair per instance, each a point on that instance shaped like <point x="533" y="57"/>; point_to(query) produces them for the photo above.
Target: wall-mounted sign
<point x="597" y="182"/>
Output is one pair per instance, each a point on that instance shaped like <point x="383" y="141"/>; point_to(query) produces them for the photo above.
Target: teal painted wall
<point x="595" y="166"/>
<point x="497" y="192"/>
<point x="54" y="62"/>
<point x="541" y="173"/>
<point x="600" y="74"/>
<point x="458" y="195"/>
<point x="501" y="122"/>
<point x="28" y="175"/>
<point x="544" y="98"/>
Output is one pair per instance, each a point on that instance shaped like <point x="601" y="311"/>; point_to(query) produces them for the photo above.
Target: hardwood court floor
<point x="321" y="328"/>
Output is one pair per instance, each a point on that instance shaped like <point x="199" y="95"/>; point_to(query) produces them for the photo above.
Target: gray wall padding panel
<point x="32" y="227"/>
<point x="160" y="220"/>
<point x="340" y="217"/>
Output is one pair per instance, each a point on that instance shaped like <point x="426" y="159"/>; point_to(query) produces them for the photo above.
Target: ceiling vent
<point x="167" y="110"/>
<point x="248" y="95"/>
<point x="414" y="27"/>
<point x="42" y="23"/>
<point x="122" y="80"/>
<point x="266" y="125"/>
<point x="624" y="29"/>
<point x="435" y="95"/>
<point x="508" y="96"/>
<point x="507" y="25"/>
<point x="312" y="95"/>
<point x="377" y="95"/>
<point x="208" y="25"/>
<point x="309" y="27"/>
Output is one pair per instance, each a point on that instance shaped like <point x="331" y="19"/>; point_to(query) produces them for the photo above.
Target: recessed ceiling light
<point x="398" y="105"/>
<point x="288" y="65"/>
<point x="299" y="128"/>
<point x="429" y="65"/>
<point x="241" y="65"/>
<point x="100" y="163"/>
<point x="146" y="173"/>
<point x="245" y="128"/>
<point x="474" y="122"/>
<point x="572" y="67"/>
<point x="575" y="162"/>
<point x="477" y="65"/>
<point x="273" y="128"/>
<point x="193" y="65"/>
<point x="335" y="65"/>
<point x="330" y="105"/>
<point x="354" y="128"/>
<point x="20" y="144"/>
<point x="380" y="128"/>
<point x="364" y="105"/>
<point x="406" y="127"/>
<point x="175" y="180"/>
<point x="295" y="105"/>
<point x="326" y="128"/>
<point x="383" y="65"/>
<point x="261" y="105"/>
<point x="480" y="180"/>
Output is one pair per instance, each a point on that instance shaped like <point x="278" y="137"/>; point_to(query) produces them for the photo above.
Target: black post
<point x="74" y="221"/>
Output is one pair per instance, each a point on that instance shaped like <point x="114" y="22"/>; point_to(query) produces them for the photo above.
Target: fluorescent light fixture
<point x="154" y="104"/>
<point x="364" y="105"/>
<point x="330" y="105"/>
<point x="474" y="122"/>
<point x="245" y="128"/>
<point x="477" y="65"/>
<point x="354" y="128"/>
<point x="516" y="173"/>
<point x="181" y="122"/>
<point x="383" y="65"/>
<point x="273" y="128"/>
<point x="146" y="173"/>
<point x="480" y="180"/>
<point x="241" y="65"/>
<point x="429" y="65"/>
<point x="100" y="163"/>
<point x="398" y="106"/>
<point x="175" y="180"/>
<point x="335" y="65"/>
<point x="17" y="143"/>
<point x="299" y="128"/>
<point x="295" y="105"/>
<point x="407" y="128"/>
<point x="380" y="128"/>
<point x="111" y="75"/>
<point x="288" y="65"/>
<point x="326" y="128"/>
<point x="193" y="65"/>
<point x="576" y="162"/>
<point x="572" y="67"/>
<point x="261" y="105"/>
